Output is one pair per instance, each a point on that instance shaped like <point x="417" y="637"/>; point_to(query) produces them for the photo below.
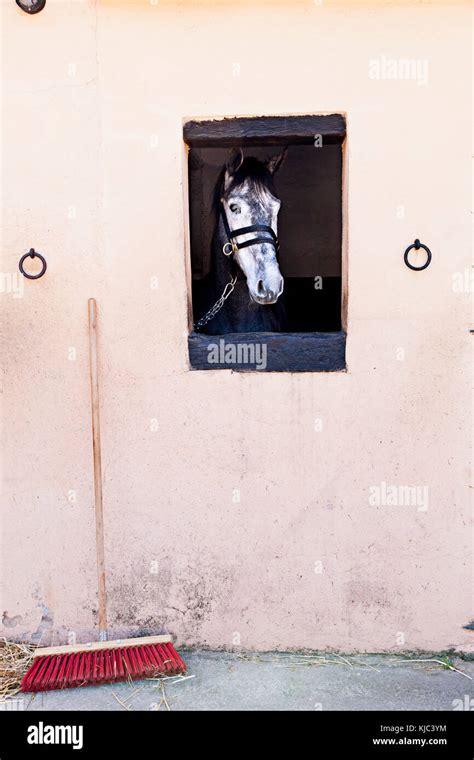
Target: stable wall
<point x="237" y="506"/>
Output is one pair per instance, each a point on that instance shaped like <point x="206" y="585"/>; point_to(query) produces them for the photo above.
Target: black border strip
<point x="265" y="130"/>
<point x="273" y="352"/>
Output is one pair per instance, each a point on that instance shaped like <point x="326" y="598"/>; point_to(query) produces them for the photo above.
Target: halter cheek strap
<point x="232" y="246"/>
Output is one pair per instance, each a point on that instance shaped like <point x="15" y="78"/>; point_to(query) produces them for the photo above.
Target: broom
<point x="104" y="661"/>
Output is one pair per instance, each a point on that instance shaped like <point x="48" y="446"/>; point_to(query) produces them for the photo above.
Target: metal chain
<point x="217" y="306"/>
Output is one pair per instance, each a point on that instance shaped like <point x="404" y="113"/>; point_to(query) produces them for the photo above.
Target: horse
<point x="246" y="282"/>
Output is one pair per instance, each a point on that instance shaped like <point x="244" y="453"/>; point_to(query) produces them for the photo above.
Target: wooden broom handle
<point x="97" y="646"/>
<point x="99" y="514"/>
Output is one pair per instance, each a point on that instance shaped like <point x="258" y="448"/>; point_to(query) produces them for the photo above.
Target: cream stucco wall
<point x="94" y="96"/>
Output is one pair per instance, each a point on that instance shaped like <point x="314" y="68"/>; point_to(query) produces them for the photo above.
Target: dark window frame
<point x="285" y="352"/>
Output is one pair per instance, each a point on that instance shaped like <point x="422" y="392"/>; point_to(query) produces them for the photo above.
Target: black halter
<point x="232" y="246"/>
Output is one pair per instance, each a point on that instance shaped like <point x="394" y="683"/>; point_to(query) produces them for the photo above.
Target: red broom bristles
<point x="101" y="666"/>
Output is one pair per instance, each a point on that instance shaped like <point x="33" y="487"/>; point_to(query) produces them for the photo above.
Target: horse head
<point x="249" y="208"/>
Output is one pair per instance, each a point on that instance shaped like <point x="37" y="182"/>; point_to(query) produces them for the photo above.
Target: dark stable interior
<point x="309" y="184"/>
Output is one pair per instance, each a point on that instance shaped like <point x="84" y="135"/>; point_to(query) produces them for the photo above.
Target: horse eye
<point x="234" y="208"/>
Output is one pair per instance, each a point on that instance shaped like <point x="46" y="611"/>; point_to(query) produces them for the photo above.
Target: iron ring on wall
<point x="33" y="254"/>
<point x="417" y="245"/>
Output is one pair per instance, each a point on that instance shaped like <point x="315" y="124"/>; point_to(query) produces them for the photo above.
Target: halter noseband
<point x="232" y="246"/>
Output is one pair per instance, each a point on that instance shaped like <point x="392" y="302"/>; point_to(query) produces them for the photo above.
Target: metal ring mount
<point x="32" y="254"/>
<point x="227" y="252"/>
<point x="417" y="245"/>
<point x="35" y="7"/>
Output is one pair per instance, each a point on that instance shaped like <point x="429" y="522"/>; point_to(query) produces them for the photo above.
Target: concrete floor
<point x="223" y="681"/>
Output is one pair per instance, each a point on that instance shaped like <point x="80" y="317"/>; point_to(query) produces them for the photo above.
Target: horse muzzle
<point x="267" y="294"/>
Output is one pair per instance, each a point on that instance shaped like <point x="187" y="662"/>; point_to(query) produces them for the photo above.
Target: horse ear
<point x="234" y="161"/>
<point x="274" y="163"/>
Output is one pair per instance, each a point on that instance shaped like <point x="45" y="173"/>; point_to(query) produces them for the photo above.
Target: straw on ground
<point x="14" y="661"/>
